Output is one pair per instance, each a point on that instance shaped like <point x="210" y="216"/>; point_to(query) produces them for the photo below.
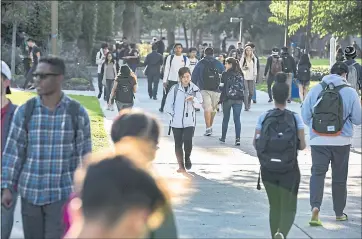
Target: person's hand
<point x="165" y="85"/>
<point x="6" y="198"/>
<point x="189" y="98"/>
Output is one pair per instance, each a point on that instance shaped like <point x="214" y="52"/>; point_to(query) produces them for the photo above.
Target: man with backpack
<point x="331" y="132"/>
<point x="354" y="76"/>
<point x="100" y="58"/>
<point x="172" y="65"/>
<point x="49" y="136"/>
<point x="289" y="67"/>
<point x="273" y="66"/>
<point x="207" y="76"/>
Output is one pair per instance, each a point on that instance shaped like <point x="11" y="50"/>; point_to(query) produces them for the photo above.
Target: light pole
<point x="240" y="21"/>
<point x="54" y="24"/>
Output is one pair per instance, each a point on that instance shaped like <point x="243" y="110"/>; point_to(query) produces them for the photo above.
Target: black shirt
<point x="34" y="51"/>
<point x="133" y="60"/>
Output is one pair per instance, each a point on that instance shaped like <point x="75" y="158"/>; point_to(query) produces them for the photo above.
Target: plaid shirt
<point x="43" y="162"/>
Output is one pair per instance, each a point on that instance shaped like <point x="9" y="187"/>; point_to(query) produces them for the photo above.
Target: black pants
<point x="282" y="190"/>
<point x="100" y="85"/>
<point x="29" y="77"/>
<point x="108" y="89"/>
<point x="183" y="143"/>
<point x="153" y="81"/>
<point x="169" y="85"/>
<point x="270" y="82"/>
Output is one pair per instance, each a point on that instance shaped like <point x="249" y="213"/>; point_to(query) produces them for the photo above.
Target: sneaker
<point x="278" y="235"/>
<point x="161" y="110"/>
<point x="270" y="100"/>
<point x="254" y="101"/>
<point x="154" y="98"/>
<point x="99" y="95"/>
<point x="208" y="132"/>
<point x="289" y="101"/>
<point x="31" y="87"/>
<point x="222" y="140"/>
<point x="188" y="163"/>
<point x="112" y="108"/>
<point x="237" y="142"/>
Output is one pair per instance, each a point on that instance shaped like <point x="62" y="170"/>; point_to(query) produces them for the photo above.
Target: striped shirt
<point x="42" y="162"/>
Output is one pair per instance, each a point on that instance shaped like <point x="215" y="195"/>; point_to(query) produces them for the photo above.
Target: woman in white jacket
<point x="181" y="102"/>
<point x="248" y="65"/>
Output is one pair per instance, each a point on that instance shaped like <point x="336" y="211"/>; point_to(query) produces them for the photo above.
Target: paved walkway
<point x="220" y="199"/>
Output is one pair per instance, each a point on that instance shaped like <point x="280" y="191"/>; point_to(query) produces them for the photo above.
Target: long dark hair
<point x="235" y="66"/>
<point x="280" y="88"/>
<point x="304" y="60"/>
<point x="112" y="61"/>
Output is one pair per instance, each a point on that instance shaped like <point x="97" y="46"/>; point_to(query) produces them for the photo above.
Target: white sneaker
<point x="112" y="108"/>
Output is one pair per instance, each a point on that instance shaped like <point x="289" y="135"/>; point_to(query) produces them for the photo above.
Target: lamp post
<point x="332" y="52"/>
<point x="240" y="21"/>
<point x="54" y="24"/>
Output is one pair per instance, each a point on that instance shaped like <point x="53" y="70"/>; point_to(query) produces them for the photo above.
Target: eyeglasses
<point x="45" y="75"/>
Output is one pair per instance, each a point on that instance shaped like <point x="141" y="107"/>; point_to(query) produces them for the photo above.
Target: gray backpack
<point x="328" y="111"/>
<point x="352" y="77"/>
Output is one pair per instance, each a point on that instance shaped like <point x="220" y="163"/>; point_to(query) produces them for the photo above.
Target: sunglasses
<point x="44" y="76"/>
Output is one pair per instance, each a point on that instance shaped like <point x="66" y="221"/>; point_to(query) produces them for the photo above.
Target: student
<point x="354" y="76"/>
<point x="124" y="88"/>
<point x="7" y="113"/>
<point x="124" y="207"/>
<point x="303" y="76"/>
<point x="54" y="132"/>
<point x="109" y="72"/>
<point x="278" y="136"/>
<point x="206" y="76"/>
<point x="173" y="63"/>
<point x="153" y="63"/>
<point x="288" y="67"/>
<point x="249" y="64"/>
<point x="181" y="102"/>
<point x="193" y="59"/>
<point x="232" y="97"/>
<point x="135" y="123"/>
<point x="100" y="59"/>
<point x="273" y="66"/>
<point x="331" y="132"/>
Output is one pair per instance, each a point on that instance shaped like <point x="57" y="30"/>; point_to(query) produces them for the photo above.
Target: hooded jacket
<point x="351" y="112"/>
<point x="182" y="112"/>
<point x="198" y="72"/>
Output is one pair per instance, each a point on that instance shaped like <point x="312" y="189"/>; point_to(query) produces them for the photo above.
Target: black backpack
<point x="124" y="92"/>
<point x="235" y="87"/>
<point x="303" y="73"/>
<point x="327" y="119"/>
<point x="211" y="76"/>
<point x="277" y="145"/>
<point x="287" y="63"/>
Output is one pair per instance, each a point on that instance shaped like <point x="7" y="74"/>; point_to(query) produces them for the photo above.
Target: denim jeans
<point x="226" y="107"/>
<point x="7" y="218"/>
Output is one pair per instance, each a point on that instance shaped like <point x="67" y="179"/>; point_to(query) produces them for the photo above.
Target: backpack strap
<point x="172" y="56"/>
<point x="73" y="109"/>
<point x="184" y="59"/>
<point x="29" y="108"/>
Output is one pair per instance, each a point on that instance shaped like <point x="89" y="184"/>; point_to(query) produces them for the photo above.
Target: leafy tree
<point x="336" y="17"/>
<point x="70" y="15"/>
<point x="88" y="27"/>
<point x="106" y="21"/>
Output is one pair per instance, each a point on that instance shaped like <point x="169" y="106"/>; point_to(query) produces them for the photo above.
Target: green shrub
<point x="79" y="81"/>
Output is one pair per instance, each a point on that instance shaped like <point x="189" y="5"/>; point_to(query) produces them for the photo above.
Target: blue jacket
<point x="351" y="112"/>
<point x="197" y="74"/>
<point x="7" y="123"/>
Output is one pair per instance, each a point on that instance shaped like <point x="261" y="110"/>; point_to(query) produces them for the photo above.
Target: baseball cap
<point x="5" y="70"/>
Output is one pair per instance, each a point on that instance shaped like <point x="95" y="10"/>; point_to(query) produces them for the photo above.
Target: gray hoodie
<point x="182" y="112"/>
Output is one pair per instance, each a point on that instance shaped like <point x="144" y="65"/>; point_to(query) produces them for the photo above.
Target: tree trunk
<point x="170" y="37"/>
<point x="200" y="40"/>
<point x="216" y="42"/>
<point x="13" y="46"/>
<point x="194" y="39"/>
<point x="138" y="21"/>
<point x="185" y="35"/>
<point x="129" y="21"/>
<point x="309" y="27"/>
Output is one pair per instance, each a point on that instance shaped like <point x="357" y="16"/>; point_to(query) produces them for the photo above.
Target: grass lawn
<point x="90" y="103"/>
<point x="264" y="87"/>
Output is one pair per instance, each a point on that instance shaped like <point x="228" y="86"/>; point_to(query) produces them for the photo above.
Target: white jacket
<point x="251" y="73"/>
<point x="183" y="112"/>
<point x="100" y="58"/>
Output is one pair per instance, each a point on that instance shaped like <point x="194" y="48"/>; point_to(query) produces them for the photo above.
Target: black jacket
<point x="224" y="78"/>
<point x="288" y="59"/>
<point x="153" y="61"/>
<point x="160" y="47"/>
<point x="269" y="63"/>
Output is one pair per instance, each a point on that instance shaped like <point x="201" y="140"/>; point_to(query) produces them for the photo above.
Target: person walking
<point x="35" y="54"/>
<point x="279" y="134"/>
<point x="288" y="67"/>
<point x="124" y="88"/>
<point x="161" y="46"/>
<point x="354" y="76"/>
<point x="248" y="65"/>
<point x="252" y="45"/>
<point x="153" y="63"/>
<point x="206" y="76"/>
<point x="49" y="136"/>
<point x="331" y="132"/>
<point x="100" y="59"/>
<point x="181" y="102"/>
<point x="172" y="65"/>
<point x="193" y="59"/>
<point x="273" y="66"/>
<point x="232" y="96"/>
<point x="109" y="72"/>
<point x="303" y="76"/>
<point x="133" y="57"/>
<point x="7" y="113"/>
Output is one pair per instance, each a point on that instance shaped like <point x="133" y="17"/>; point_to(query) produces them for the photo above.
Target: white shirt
<point x="251" y="72"/>
<point x="171" y="73"/>
<point x="100" y="58"/>
<point x="193" y="63"/>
